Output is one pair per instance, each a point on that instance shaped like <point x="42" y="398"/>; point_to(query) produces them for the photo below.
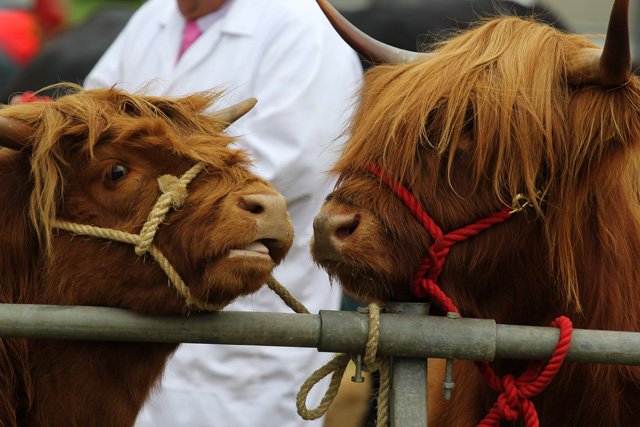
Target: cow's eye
<point x="117" y="172"/>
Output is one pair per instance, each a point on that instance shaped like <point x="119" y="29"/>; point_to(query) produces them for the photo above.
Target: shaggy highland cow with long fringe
<point x="510" y="110"/>
<point x="156" y="175"/>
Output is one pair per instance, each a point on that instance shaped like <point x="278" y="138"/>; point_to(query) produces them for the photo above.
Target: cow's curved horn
<point x="233" y="113"/>
<point x="612" y="65"/>
<point x="372" y="49"/>
<point x="13" y="133"/>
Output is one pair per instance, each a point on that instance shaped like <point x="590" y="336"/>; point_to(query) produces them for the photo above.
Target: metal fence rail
<point x="405" y="334"/>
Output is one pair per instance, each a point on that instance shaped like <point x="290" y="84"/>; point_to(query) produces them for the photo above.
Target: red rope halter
<point x="515" y="393"/>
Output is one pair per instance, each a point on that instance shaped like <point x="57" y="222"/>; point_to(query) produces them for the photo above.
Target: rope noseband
<point x="173" y="195"/>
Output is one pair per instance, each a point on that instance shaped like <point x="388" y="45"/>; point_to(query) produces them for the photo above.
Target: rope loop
<point x="515" y="393"/>
<point x="336" y="368"/>
<point x="371" y="362"/>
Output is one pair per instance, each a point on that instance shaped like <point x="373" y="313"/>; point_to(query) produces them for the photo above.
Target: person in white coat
<point x="285" y="54"/>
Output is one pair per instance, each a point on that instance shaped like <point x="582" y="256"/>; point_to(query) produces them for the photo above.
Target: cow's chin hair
<point x="366" y="285"/>
<point x="228" y="278"/>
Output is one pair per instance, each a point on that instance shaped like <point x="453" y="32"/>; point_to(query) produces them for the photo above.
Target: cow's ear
<point x="13" y="133"/>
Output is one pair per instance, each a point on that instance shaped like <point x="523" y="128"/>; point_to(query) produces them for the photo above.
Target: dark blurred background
<point x="47" y="41"/>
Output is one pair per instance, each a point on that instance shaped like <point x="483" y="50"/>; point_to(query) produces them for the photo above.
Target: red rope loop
<point x="515" y="393"/>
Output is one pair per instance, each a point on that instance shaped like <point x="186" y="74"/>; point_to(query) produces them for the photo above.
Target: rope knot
<point x="175" y="188"/>
<point x="511" y="401"/>
<point x="174" y="195"/>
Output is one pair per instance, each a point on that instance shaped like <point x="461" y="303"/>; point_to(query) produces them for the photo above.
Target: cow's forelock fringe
<point x="531" y="131"/>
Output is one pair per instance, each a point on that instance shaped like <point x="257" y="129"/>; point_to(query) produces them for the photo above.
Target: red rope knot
<point x="510" y="404"/>
<point x="515" y="393"/>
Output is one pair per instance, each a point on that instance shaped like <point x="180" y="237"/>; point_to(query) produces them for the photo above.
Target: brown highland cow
<point x="111" y="160"/>
<point x="510" y="108"/>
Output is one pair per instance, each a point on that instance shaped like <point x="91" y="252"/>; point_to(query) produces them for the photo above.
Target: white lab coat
<point x="285" y="54"/>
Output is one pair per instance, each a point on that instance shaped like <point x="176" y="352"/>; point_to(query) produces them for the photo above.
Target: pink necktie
<point x="190" y="34"/>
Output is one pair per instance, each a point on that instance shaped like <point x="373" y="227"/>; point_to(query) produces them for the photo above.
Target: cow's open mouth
<point x="256" y="249"/>
<point x="264" y="249"/>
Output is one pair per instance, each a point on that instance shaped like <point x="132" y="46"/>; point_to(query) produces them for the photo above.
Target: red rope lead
<point x="515" y="393"/>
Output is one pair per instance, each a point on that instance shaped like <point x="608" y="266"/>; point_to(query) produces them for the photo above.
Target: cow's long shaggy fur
<point x="64" y="174"/>
<point x="491" y="116"/>
<point x="84" y="121"/>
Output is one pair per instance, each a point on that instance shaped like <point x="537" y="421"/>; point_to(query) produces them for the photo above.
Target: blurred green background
<point x="81" y="9"/>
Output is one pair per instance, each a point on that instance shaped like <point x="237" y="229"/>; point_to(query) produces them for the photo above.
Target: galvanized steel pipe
<point x="403" y="335"/>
